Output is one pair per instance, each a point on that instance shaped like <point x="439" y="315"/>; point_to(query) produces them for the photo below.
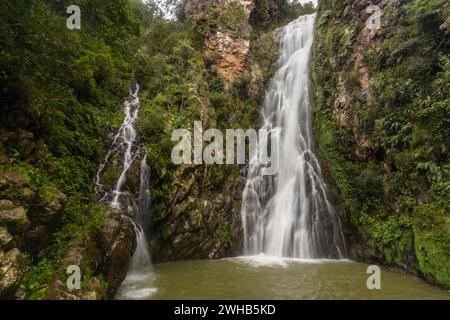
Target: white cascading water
<point x="289" y="214"/>
<point x="141" y="256"/>
<point x="125" y="150"/>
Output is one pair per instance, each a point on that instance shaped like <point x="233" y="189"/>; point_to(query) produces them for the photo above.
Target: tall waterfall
<point x="123" y="154"/>
<point x="289" y="214"/>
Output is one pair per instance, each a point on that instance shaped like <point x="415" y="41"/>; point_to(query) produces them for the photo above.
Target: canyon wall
<point x="381" y="120"/>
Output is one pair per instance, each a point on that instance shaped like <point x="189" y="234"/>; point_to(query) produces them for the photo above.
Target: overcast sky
<point x="306" y="1"/>
<point x="170" y="15"/>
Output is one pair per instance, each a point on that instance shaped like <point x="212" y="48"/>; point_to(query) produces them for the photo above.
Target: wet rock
<point x="15" y="218"/>
<point x="21" y="295"/>
<point x="109" y="139"/>
<point x="109" y="233"/>
<point x="119" y="256"/>
<point x="11" y="178"/>
<point x="58" y="291"/>
<point x="49" y="206"/>
<point x="199" y="222"/>
<point x="87" y="257"/>
<point x="6" y="240"/>
<point x="12" y="271"/>
<point x="44" y="213"/>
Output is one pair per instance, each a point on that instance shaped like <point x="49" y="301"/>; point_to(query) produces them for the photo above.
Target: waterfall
<point x="122" y="154"/>
<point x="141" y="257"/>
<point x="289" y="214"/>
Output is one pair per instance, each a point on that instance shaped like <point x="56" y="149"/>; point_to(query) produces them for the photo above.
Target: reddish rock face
<point x="233" y="52"/>
<point x="228" y="47"/>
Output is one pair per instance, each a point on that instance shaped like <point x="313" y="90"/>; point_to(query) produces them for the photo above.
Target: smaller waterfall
<point x="123" y="152"/>
<point x="122" y="155"/>
<point x="144" y="192"/>
<point x="141" y="257"/>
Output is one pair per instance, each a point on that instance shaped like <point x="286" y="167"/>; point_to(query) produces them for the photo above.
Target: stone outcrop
<point x="371" y="89"/>
<point x="106" y="254"/>
<point x="28" y="218"/>
<point x="15" y="218"/>
<point x="12" y="271"/>
<point x="200" y="218"/>
<point x="227" y="40"/>
<point x="200" y="222"/>
<point x="232" y="51"/>
<point x="26" y="226"/>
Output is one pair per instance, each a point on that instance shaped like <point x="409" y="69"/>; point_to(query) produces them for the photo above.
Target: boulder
<point x="58" y="291"/>
<point x="12" y="271"/>
<point x="11" y="178"/>
<point x="48" y="207"/>
<point x="15" y="218"/>
<point x="44" y="213"/>
<point x="119" y="256"/>
<point x="109" y="233"/>
<point x="85" y="256"/>
<point x="6" y="240"/>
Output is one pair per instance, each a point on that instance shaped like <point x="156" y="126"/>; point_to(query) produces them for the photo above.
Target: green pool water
<point x="263" y="277"/>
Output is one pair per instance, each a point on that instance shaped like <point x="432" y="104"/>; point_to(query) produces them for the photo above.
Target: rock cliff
<point x="380" y="101"/>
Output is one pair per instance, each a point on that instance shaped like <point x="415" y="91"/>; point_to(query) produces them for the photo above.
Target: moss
<point x="223" y="233"/>
<point x="392" y="190"/>
<point x="432" y="250"/>
<point x="37" y="277"/>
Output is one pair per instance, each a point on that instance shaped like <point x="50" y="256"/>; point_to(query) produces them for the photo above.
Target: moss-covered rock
<point x="380" y="104"/>
<point x="12" y="271"/>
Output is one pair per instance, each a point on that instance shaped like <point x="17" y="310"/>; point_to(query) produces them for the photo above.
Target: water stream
<point x="122" y="155"/>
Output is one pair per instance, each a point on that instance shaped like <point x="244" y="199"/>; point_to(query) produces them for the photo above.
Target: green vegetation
<point x="270" y="14"/>
<point x="66" y="87"/>
<point x="389" y="161"/>
<point x="390" y="166"/>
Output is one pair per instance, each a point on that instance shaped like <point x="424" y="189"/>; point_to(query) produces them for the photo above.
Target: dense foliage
<point x="390" y="161"/>
<point x="66" y="88"/>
